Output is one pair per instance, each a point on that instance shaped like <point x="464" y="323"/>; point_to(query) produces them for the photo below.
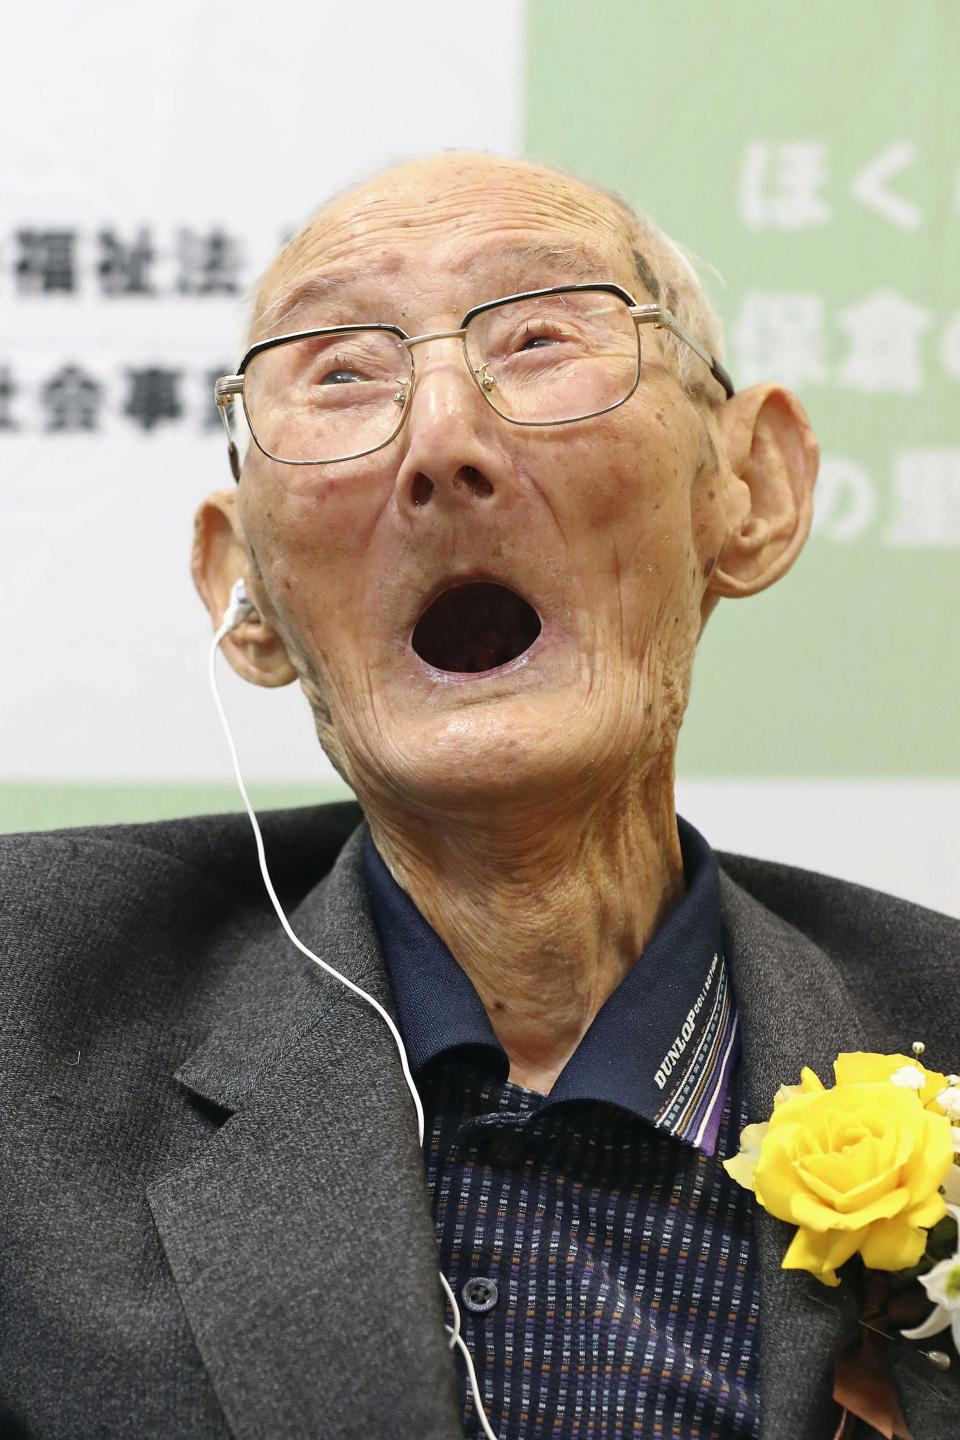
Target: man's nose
<point x="447" y="451"/>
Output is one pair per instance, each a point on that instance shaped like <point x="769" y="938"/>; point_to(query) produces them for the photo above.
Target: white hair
<point x="668" y="273"/>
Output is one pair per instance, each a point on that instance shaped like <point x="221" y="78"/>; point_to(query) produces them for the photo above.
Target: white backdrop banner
<point x="150" y="177"/>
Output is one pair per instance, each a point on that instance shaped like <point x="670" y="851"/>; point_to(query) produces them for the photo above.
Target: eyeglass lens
<point x="537" y="359"/>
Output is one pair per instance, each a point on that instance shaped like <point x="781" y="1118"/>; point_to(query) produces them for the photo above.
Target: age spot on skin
<point x="645" y="271"/>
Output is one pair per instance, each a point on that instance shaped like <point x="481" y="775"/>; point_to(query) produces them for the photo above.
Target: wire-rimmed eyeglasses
<point x="545" y="357"/>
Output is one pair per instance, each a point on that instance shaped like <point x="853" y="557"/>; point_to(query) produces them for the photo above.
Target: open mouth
<point x="475" y="627"/>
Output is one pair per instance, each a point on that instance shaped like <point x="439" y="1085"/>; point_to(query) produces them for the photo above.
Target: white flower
<point x="942" y="1284"/>
<point x="909" y="1077"/>
<point x="949" y="1101"/>
<point x="951" y="1184"/>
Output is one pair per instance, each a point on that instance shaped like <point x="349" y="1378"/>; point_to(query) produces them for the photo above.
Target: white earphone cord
<point x="234" y="614"/>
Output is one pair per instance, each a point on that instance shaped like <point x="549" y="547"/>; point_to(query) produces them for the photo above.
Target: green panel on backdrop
<point x="812" y="155"/>
<point x="45" y="806"/>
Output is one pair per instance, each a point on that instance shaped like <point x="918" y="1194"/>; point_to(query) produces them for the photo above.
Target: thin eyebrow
<point x="579" y="262"/>
<point x="305" y="292"/>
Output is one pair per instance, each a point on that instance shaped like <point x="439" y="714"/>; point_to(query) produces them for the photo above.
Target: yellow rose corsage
<point x="857" y="1168"/>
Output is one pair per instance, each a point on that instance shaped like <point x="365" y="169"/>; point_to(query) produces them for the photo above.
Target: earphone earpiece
<point x="238" y="610"/>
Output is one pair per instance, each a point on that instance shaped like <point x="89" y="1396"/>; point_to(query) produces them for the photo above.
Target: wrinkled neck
<point x="546" y="907"/>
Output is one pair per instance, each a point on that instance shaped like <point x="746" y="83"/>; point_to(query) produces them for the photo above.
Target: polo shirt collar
<point x="662" y="1046"/>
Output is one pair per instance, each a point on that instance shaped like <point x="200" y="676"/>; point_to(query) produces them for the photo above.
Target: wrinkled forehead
<point x="464" y="205"/>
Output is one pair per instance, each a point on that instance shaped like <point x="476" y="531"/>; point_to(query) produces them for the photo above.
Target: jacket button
<point x="480" y="1295"/>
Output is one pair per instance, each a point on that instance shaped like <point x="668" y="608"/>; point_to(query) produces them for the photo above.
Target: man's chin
<point x="490" y="751"/>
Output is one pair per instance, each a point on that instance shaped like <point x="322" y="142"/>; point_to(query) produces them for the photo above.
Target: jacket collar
<point x="280" y="995"/>
<point x="291" y="1224"/>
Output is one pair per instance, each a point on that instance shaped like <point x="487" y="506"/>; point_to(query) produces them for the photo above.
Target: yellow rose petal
<point x="851" y="1179"/>
<point x="753" y="1136"/>
<point x="933" y="1084"/>
<point x="809" y="1211"/>
<point x="858" y="1067"/>
<point x="786" y="1092"/>
<point x="821" y="1254"/>
<point x="857" y="1196"/>
<point x="812" y="1213"/>
<point x="740" y="1167"/>
<point x="928" y="1167"/>
<point x="774" y="1179"/>
<point x="928" y="1212"/>
<point x="792" y="1109"/>
<point x="893" y="1245"/>
<point x="809" y="1252"/>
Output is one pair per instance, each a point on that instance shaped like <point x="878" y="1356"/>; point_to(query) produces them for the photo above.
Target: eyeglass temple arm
<point x="663" y="320"/>
<point x="224" y="390"/>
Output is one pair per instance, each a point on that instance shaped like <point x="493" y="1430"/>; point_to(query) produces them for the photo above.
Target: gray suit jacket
<point x="213" y="1216"/>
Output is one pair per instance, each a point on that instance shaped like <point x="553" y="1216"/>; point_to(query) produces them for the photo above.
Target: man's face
<point x="606" y="528"/>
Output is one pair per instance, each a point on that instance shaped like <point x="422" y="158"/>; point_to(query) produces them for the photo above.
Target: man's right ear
<point x="219" y="558"/>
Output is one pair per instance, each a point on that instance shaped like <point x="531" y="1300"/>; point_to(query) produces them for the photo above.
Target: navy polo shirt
<point x="602" y="1259"/>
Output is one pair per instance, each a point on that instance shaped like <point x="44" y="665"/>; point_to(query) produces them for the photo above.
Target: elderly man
<point x="495" y="480"/>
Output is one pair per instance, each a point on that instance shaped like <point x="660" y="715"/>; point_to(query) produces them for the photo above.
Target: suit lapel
<point x="300" y="1237"/>
<point x="794" y="1010"/>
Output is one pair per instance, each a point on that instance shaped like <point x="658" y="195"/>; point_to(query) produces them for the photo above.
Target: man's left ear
<point x="219" y="558"/>
<point x="770" y="448"/>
